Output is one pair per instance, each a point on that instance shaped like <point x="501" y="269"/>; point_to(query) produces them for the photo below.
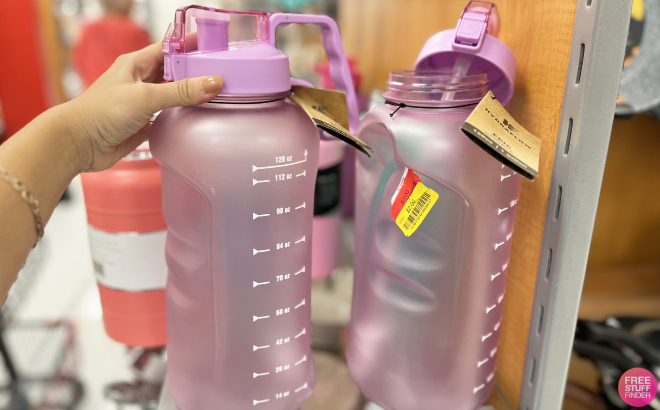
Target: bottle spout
<point x="212" y="34"/>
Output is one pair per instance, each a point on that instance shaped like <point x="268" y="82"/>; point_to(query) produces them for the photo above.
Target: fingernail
<point x="212" y="85"/>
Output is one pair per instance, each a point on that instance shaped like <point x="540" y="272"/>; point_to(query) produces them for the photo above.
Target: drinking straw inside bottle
<point x="460" y="69"/>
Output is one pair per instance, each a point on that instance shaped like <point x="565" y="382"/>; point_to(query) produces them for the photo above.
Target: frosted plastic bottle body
<point x="239" y="216"/>
<point x="427" y="308"/>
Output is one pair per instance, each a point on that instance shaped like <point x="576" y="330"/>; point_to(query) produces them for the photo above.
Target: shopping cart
<point x="38" y="356"/>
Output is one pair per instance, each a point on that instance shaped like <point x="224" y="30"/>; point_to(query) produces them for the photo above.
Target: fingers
<point x="149" y="62"/>
<point x="189" y="91"/>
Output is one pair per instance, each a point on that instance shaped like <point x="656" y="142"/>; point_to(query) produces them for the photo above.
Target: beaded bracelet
<point x="27" y="197"/>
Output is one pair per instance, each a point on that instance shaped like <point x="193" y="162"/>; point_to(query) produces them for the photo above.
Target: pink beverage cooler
<point x="427" y="308"/>
<point x="238" y="198"/>
<point x="127" y="237"/>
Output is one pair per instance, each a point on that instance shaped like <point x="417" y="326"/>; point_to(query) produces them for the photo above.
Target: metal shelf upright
<point x="592" y="82"/>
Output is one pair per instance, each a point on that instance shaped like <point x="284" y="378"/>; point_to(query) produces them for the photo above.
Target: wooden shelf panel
<point x="639" y="279"/>
<point x="627" y="229"/>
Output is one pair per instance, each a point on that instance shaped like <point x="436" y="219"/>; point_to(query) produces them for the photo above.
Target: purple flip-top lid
<point x="240" y="47"/>
<point x="204" y="41"/>
<point x="471" y="48"/>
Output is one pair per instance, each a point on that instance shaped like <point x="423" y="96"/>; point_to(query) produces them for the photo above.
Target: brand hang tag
<point x="492" y="128"/>
<point x="411" y="202"/>
<point x="329" y="112"/>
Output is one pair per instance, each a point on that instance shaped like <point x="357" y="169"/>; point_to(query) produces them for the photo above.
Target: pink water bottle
<point x="238" y="197"/>
<point x="426" y="313"/>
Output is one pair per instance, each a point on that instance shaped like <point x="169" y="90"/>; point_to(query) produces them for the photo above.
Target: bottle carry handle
<point x="339" y="70"/>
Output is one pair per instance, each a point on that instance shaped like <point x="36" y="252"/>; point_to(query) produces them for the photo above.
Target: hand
<point x="111" y="118"/>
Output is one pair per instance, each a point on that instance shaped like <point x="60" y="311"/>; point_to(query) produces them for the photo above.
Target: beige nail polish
<point x="212" y="84"/>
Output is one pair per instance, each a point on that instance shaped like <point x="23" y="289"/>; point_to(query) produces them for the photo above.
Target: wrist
<point x="43" y="157"/>
<point x="71" y="127"/>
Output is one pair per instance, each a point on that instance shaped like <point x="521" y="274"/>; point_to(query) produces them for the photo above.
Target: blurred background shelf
<point x="623" y="274"/>
<point x="623" y="290"/>
<point x="627" y="229"/>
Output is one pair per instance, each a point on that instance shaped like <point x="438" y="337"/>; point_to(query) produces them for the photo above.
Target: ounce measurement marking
<point x="301" y="388"/>
<point x="476" y="389"/>
<point x="255" y="168"/>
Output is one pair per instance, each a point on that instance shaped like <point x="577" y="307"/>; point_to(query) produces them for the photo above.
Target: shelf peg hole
<point x="568" y="136"/>
<point x="580" y="63"/>
<point x="558" y="203"/>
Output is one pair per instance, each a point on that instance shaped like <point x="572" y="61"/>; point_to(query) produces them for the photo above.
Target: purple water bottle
<point x="238" y="197"/>
<point x="425" y="323"/>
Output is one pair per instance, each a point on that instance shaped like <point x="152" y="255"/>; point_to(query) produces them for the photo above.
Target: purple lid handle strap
<point x="477" y="19"/>
<point x="339" y="70"/>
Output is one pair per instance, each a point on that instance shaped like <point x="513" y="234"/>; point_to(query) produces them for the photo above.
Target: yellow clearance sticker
<point x="416" y="208"/>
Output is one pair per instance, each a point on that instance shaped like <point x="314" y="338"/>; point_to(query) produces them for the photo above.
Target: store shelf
<point x="623" y="290"/>
<point x="594" y="71"/>
<point x="623" y="272"/>
<point x="569" y="56"/>
<point x="388" y="34"/>
<point x="627" y="229"/>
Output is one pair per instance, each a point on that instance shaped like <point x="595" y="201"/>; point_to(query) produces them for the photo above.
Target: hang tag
<point x="329" y="112"/>
<point x="492" y="128"/>
<point x="411" y="202"/>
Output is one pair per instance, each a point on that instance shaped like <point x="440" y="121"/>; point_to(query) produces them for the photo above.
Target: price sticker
<point x="411" y="202"/>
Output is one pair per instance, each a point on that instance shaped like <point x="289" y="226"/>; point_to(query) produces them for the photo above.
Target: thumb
<point x="188" y="91"/>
